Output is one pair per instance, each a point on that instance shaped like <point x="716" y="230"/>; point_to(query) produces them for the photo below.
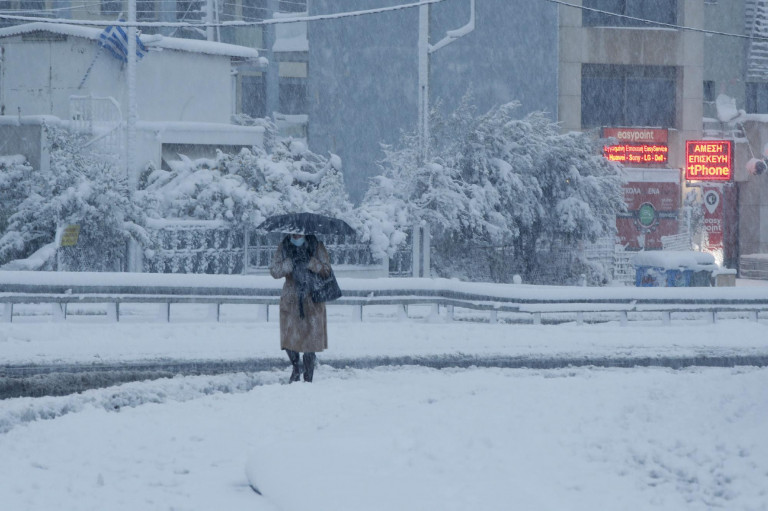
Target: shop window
<point x="614" y="95"/>
<point x="253" y="95"/>
<point x="293" y="96"/>
<point x="664" y="11"/>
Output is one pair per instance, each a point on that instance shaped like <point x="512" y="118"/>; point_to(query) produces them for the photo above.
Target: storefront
<point x="652" y="191"/>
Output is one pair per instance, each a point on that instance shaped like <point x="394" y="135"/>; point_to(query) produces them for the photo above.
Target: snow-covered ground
<point x="406" y="438"/>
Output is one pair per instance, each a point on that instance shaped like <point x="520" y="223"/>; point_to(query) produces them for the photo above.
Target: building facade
<point x="682" y="85"/>
<point x="364" y="88"/>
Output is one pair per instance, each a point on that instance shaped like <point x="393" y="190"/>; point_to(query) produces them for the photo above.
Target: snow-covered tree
<point x="498" y="191"/>
<point x="14" y="186"/>
<point x="245" y="188"/>
<point x="79" y="188"/>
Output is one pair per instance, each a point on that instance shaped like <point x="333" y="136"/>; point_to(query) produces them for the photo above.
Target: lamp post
<point x="424" y="50"/>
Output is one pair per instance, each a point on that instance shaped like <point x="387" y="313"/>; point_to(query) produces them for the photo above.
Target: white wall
<point x="39" y="77"/>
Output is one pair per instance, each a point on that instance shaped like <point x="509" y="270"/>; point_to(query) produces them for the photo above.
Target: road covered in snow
<point x="402" y="437"/>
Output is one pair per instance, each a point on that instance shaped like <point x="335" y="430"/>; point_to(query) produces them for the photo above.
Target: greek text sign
<point x="643" y="154"/>
<point x="708" y="160"/>
<point x="637" y="146"/>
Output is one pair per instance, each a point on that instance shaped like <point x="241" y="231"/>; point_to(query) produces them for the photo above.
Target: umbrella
<point x="306" y="223"/>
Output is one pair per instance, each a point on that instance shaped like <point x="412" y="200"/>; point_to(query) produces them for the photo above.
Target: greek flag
<point x="115" y="40"/>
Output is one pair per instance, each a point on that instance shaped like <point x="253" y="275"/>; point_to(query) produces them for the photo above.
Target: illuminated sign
<point x="637" y="146"/>
<point x="648" y="154"/>
<point x="708" y="160"/>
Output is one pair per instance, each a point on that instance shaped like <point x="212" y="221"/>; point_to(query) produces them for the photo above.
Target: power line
<point x="659" y="23"/>
<point x="273" y="21"/>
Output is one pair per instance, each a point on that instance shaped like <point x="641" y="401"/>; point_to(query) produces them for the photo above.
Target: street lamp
<point x="425" y="49"/>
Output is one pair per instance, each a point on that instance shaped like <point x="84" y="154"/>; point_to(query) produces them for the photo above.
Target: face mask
<point x="298" y="242"/>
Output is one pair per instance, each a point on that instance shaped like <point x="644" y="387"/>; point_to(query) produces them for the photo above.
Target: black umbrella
<point x="306" y="223"/>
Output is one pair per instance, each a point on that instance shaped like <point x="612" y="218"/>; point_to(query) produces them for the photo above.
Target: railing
<point x="535" y="302"/>
<point x="194" y="246"/>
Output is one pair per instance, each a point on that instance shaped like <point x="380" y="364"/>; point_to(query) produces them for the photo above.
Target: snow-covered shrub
<point x="80" y="188"/>
<point x="245" y="188"/>
<point x="498" y="191"/>
<point x="14" y="187"/>
<point x="238" y="190"/>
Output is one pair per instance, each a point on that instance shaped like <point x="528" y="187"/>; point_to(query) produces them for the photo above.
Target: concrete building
<point x="59" y="73"/>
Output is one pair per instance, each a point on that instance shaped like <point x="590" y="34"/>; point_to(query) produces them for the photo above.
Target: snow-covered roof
<point x="151" y="41"/>
<point x="673" y="259"/>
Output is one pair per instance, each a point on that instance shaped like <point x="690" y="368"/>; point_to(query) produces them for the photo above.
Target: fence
<point x="622" y="304"/>
<point x="194" y="247"/>
<point x="190" y="246"/>
<point x="101" y="118"/>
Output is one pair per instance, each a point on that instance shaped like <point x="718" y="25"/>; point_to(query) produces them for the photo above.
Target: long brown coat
<point x="309" y="334"/>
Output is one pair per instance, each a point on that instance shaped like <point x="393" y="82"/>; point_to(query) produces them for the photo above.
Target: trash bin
<point x="673" y="268"/>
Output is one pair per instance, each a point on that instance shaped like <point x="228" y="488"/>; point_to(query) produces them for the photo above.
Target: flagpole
<point x="133" y="259"/>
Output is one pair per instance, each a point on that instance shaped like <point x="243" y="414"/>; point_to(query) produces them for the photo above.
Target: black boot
<point x="309" y="366"/>
<point x="296" y="373"/>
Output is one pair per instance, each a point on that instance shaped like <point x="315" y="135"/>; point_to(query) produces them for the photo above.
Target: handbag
<point x="325" y="289"/>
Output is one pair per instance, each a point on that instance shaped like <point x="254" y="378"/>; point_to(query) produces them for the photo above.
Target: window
<point x="145" y="10"/>
<point x="292" y="6"/>
<point x="613" y="95"/>
<point x="709" y="90"/>
<point x="756" y="100"/>
<point x="664" y="11"/>
<point x="293" y="96"/>
<point x="253" y="95"/>
<point x="31" y="5"/>
<point x="254" y="9"/>
<point x="113" y="7"/>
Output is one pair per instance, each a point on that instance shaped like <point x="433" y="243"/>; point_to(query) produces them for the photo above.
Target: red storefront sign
<point x="713" y="218"/>
<point x="708" y="160"/>
<point x="662" y="195"/>
<point x="638" y="146"/>
<point x="652" y="208"/>
<point x="635" y="239"/>
<point x="631" y="154"/>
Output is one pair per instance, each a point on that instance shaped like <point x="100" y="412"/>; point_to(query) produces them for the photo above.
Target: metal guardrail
<point x="531" y="301"/>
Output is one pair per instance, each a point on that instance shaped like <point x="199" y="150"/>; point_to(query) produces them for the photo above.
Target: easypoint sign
<point x="708" y="160"/>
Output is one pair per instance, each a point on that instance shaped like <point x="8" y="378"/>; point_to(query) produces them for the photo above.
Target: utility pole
<point x="425" y="50"/>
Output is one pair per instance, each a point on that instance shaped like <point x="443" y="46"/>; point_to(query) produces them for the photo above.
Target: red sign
<point x="637" y="135"/>
<point x="645" y="154"/>
<point x="708" y="160"/>
<point x="634" y="238"/>
<point x="713" y="218"/>
<point x="652" y="212"/>
<point x="663" y="196"/>
<point x="638" y="146"/>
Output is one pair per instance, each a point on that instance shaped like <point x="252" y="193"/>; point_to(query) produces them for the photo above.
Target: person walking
<point x="303" y="323"/>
